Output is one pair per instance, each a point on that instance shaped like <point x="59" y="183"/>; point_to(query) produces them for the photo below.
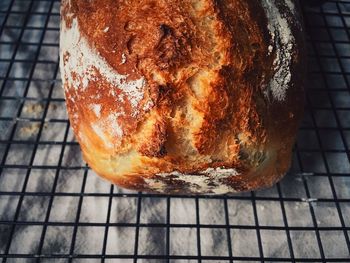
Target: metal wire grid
<point x="53" y="209"/>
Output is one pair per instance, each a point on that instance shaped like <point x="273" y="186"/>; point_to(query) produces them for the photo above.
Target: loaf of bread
<point x="184" y="96"/>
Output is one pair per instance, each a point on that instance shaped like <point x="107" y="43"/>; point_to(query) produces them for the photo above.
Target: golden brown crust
<point x="192" y="107"/>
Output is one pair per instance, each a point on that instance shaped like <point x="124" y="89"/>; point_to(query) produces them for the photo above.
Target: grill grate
<point x="53" y="209"/>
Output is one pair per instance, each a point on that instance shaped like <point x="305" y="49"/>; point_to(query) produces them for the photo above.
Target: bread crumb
<point x="30" y="130"/>
<point x="53" y="106"/>
<point x="33" y="108"/>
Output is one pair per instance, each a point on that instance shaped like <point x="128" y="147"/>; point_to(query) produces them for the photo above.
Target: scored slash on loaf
<point x="184" y="96"/>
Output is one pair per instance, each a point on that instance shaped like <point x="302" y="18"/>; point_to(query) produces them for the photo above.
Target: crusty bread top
<point x="182" y="85"/>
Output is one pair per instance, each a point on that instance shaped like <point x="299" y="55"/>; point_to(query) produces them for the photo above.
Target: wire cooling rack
<point x="54" y="209"/>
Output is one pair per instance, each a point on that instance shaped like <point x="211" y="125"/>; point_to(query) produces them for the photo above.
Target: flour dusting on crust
<point x="220" y="172"/>
<point x="112" y="122"/>
<point x="283" y="41"/>
<point x="209" y="181"/>
<point x="105" y="125"/>
<point x="96" y="108"/>
<point x="123" y="60"/>
<point x="290" y="4"/>
<point x="80" y="63"/>
<point x="98" y="129"/>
